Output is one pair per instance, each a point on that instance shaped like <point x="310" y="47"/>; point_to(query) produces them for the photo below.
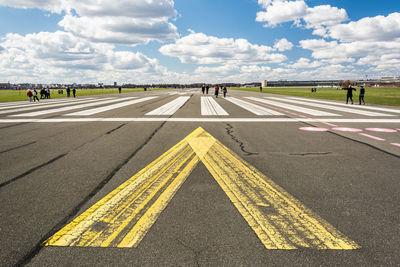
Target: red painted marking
<point x="372" y="137"/>
<point x="395" y="144"/>
<point x="313" y="129"/>
<point x="345" y="129"/>
<point x="381" y="130"/>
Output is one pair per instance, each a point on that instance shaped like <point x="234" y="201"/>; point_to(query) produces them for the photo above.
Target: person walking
<point x="349" y="93"/>
<point x="225" y="91"/>
<point x="260" y="89"/>
<point x="74" y="92"/>
<point x="35" y="95"/>
<point x="207" y="88"/>
<point x="42" y="93"/>
<point x="361" y="96"/>
<point x="119" y="89"/>
<point x="216" y="90"/>
<point x="48" y="93"/>
<point x="68" y="92"/>
<point x="29" y="94"/>
<point x="203" y="89"/>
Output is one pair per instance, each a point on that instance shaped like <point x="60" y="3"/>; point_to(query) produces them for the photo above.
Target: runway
<point x="267" y="180"/>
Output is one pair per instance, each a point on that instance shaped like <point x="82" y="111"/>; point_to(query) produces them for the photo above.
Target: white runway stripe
<point x="56" y="110"/>
<point x="312" y="112"/>
<point x="41" y="103"/>
<point x="274" y="120"/>
<point x="253" y="108"/>
<point x="342" y="104"/>
<point x="107" y="108"/>
<point x="52" y="105"/>
<point x="171" y="107"/>
<point x="210" y="107"/>
<point x="324" y="106"/>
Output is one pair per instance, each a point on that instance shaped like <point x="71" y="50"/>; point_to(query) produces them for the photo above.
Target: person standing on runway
<point x="225" y="91"/>
<point x="203" y="89"/>
<point x="35" y="96"/>
<point x="74" y="92"/>
<point x="207" y="88"/>
<point x="349" y="93"/>
<point x="29" y="94"/>
<point x="362" y="93"/>
<point x="216" y="90"/>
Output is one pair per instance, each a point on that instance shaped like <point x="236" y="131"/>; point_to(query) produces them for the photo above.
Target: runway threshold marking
<point x="123" y="217"/>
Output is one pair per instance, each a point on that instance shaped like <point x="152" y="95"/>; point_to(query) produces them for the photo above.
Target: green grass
<point x="373" y="95"/>
<point x="19" y="95"/>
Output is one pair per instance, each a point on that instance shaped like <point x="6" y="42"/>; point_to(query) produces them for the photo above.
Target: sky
<point x="197" y="41"/>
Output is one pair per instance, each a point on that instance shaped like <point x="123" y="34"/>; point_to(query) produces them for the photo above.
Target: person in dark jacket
<point x="216" y="90"/>
<point x="349" y="93"/>
<point x="207" y="88"/>
<point x="361" y="96"/>
<point x="225" y="91"/>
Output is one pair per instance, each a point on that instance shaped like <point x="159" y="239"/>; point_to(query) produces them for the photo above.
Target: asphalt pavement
<point x="52" y="171"/>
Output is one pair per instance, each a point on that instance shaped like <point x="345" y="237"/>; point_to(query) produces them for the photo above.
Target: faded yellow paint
<point x="123" y="217"/>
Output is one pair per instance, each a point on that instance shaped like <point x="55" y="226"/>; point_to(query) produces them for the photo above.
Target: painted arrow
<point x="123" y="217"/>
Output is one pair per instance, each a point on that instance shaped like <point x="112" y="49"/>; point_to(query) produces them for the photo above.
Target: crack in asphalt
<point x="196" y="253"/>
<point x="229" y="131"/>
<point x="17" y="147"/>
<point x="311" y="154"/>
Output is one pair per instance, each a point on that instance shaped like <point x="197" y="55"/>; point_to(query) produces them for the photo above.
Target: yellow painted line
<point x="109" y="221"/>
<point x="123" y="217"/>
<point x="279" y="220"/>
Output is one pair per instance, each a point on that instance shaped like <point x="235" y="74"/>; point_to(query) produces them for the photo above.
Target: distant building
<point x="264" y="83"/>
<point x="115" y="84"/>
<point x="5" y="86"/>
<point x="390" y="79"/>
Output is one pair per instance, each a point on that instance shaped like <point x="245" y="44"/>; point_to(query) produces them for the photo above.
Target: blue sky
<point x="185" y="41"/>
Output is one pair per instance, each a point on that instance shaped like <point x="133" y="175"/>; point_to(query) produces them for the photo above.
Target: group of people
<point x="206" y="88"/>
<point x="33" y="94"/>
<point x="45" y="93"/>
<point x="350" y="90"/>
<point x="69" y="92"/>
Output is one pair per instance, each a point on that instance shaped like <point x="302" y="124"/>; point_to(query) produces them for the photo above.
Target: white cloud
<point x="123" y="30"/>
<point x="321" y="17"/>
<point x="128" y="22"/>
<point x="220" y="70"/>
<point x="382" y="55"/>
<point x="202" y="49"/>
<point x="279" y="11"/>
<point x="304" y="63"/>
<point x="317" y="18"/>
<point x="55" y="6"/>
<point x="61" y="56"/>
<point x="378" y="28"/>
<point x="283" y="45"/>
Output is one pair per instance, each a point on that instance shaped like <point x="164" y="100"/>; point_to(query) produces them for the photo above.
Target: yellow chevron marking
<point x="123" y="217"/>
